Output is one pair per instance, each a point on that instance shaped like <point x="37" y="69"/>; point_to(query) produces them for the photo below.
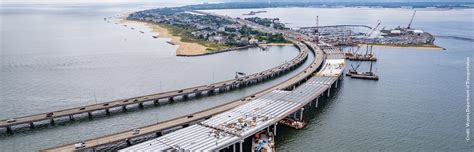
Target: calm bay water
<point x="56" y="57"/>
<point x="419" y="103"/>
<point x="59" y="57"/>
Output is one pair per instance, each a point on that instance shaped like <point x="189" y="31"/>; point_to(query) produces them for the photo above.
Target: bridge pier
<point x="52" y="122"/>
<point x="329" y="90"/>
<point x="185" y="97"/>
<point x="140" y="105"/>
<point x="210" y="92"/>
<point x="9" y="130"/>
<point x="275" y="129"/>
<point x="107" y="111"/>
<point x="156" y="102"/>
<point x="317" y="102"/>
<point x="171" y="99"/>
<point x="124" y="108"/>
<point x="158" y="134"/>
<point x="336" y="83"/>
<point x="240" y="147"/>
<point x="89" y="114"/>
<point x="32" y="125"/>
<point x="128" y="142"/>
<point x="198" y="94"/>
<point x="71" y="117"/>
<point x="301" y="114"/>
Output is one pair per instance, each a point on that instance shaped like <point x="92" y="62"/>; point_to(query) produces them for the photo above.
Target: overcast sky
<point x="198" y="1"/>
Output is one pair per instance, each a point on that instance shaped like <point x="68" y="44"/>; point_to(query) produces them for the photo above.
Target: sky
<point x="198" y="1"/>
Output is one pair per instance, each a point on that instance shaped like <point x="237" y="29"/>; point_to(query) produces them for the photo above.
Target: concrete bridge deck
<point x="127" y="138"/>
<point x="235" y="125"/>
<point x="169" y="96"/>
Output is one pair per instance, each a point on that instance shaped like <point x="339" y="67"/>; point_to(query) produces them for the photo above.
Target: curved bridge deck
<point x="127" y="138"/>
<point x="156" y="99"/>
<point x="260" y="114"/>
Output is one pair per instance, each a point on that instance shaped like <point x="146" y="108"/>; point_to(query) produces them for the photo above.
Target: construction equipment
<point x="411" y="21"/>
<point x="373" y="29"/>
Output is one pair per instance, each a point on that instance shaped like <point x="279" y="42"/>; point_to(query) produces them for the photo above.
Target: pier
<point x="122" y="105"/>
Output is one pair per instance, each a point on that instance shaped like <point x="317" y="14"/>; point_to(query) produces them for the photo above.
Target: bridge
<point x="262" y="113"/>
<point x="122" y="105"/>
<point x="267" y="107"/>
<point x="128" y="138"/>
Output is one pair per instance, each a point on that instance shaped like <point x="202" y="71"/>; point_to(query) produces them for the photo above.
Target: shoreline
<point x="184" y="48"/>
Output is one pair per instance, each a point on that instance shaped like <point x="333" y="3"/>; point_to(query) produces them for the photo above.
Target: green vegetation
<point x="185" y="33"/>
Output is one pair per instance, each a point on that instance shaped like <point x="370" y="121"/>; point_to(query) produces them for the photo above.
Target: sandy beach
<point x="184" y="48"/>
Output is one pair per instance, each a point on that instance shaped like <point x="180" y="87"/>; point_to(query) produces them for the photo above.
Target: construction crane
<point x="413" y="16"/>
<point x="373" y="29"/>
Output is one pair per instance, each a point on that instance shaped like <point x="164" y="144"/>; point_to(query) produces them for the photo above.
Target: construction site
<point x="351" y="35"/>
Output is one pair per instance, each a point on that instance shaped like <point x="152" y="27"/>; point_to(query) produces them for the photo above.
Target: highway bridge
<point x="262" y="113"/>
<point x="288" y="98"/>
<point x="122" y="105"/>
<point x="128" y="138"/>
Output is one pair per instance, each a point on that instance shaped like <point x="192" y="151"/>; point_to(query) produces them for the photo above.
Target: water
<point x="56" y="57"/>
<point x="419" y="102"/>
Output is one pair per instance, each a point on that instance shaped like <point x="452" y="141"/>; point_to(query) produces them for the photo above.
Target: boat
<point x="263" y="142"/>
<point x="169" y="42"/>
<point x="362" y="75"/>
<point x="142" y="32"/>
<point x="154" y="37"/>
<point x="293" y="123"/>
<point x="368" y="56"/>
<point x="132" y="28"/>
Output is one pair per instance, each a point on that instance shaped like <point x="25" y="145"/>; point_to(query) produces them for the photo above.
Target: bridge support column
<point x="9" y="130"/>
<point x="301" y="114"/>
<point x="336" y="83"/>
<point x="158" y="134"/>
<point x="107" y="111"/>
<point x="52" y="122"/>
<point x="275" y="129"/>
<point x="317" y="102"/>
<point x="329" y="90"/>
<point x="124" y="108"/>
<point x="171" y="99"/>
<point x="90" y="115"/>
<point x="241" y="142"/>
<point x="128" y="142"/>
<point x="233" y="147"/>
<point x="210" y="92"/>
<point x="156" y="102"/>
<point x="185" y="97"/>
<point x="32" y="125"/>
<point x="71" y="117"/>
<point x="140" y="105"/>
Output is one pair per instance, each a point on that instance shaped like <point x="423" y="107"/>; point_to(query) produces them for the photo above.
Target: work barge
<point x="123" y="105"/>
<point x="288" y="98"/>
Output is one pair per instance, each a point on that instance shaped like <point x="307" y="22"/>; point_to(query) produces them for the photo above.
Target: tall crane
<point x="373" y="29"/>
<point x="413" y="16"/>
